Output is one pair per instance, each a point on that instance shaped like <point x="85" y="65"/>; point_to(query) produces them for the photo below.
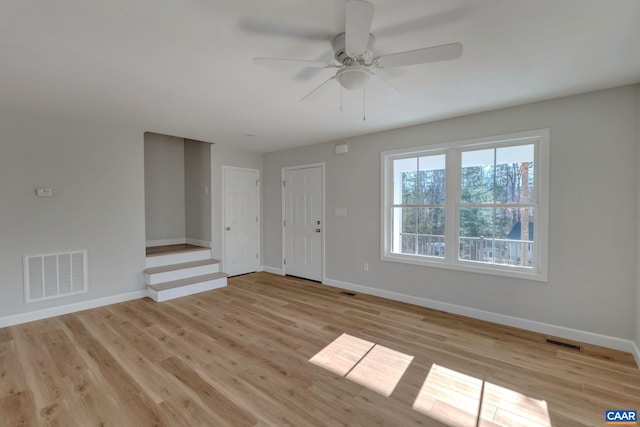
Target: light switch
<point x="341" y="211"/>
<point x="43" y="192"/>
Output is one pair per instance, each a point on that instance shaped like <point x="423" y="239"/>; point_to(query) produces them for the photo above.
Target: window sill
<point x="471" y="267"/>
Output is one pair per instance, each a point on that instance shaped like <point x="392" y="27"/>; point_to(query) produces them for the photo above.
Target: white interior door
<point x="241" y="220"/>
<point x="303" y="222"/>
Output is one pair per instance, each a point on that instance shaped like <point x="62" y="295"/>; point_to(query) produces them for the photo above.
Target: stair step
<point x="173" y="249"/>
<point x="185" y="270"/>
<point x="177" y="258"/>
<point x="181" y="266"/>
<point x="185" y="282"/>
<point x="183" y="287"/>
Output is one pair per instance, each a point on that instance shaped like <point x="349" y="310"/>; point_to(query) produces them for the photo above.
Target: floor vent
<point x="564" y="344"/>
<point x="54" y="275"/>
<point x="349" y="294"/>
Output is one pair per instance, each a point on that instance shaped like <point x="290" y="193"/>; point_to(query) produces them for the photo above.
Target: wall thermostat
<point x="43" y="192"/>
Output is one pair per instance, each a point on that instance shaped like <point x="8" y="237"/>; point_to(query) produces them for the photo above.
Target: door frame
<point x="223" y="261"/>
<point x="321" y="165"/>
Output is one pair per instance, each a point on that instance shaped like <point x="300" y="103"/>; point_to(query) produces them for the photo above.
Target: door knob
<point x="317" y="230"/>
<point x="228" y="228"/>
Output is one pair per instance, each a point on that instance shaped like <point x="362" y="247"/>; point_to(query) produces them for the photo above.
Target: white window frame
<point x="540" y="138"/>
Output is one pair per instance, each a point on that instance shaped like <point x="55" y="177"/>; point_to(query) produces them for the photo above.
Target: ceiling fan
<point x="353" y="51"/>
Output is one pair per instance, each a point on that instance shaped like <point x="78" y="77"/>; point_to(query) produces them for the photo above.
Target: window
<point x="478" y="205"/>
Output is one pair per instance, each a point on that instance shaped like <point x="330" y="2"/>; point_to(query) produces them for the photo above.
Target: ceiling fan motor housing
<point x="341" y="55"/>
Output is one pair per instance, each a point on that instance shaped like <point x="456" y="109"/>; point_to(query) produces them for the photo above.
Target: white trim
<point x="453" y="150"/>
<point x="322" y="167"/>
<point x="503" y="319"/>
<point x="635" y="352"/>
<point x="283" y="211"/>
<point x="165" y="242"/>
<point x="506" y="139"/>
<point x="155" y="278"/>
<point x="273" y="270"/>
<point x="31" y="316"/>
<point x="183" y="291"/>
<point x="469" y="266"/>
<point x="197" y="242"/>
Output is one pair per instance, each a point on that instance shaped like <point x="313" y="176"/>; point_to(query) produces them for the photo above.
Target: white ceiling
<point x="184" y="67"/>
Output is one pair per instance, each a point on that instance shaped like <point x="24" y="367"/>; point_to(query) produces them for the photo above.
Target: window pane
<point x="476" y="176"/>
<point x="404" y="230"/>
<point x="404" y="180"/>
<point x="431" y="180"/>
<point x="476" y="234"/>
<point x="514" y="174"/>
<point x="408" y="243"/>
<point x="514" y="236"/>
<point x="430" y="231"/>
<point x="409" y="220"/>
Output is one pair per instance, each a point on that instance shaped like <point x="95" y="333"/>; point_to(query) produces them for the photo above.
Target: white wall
<point x="197" y="183"/>
<point x="593" y="214"/>
<point x="637" y="300"/>
<point x="96" y="173"/>
<point x="164" y="181"/>
<point x="225" y="156"/>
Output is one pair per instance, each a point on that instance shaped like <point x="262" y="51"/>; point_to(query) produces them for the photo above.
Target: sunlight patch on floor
<point x="371" y="365"/>
<point x="513" y="408"/>
<point x="461" y="400"/>
<point x="342" y="354"/>
<point x="381" y="369"/>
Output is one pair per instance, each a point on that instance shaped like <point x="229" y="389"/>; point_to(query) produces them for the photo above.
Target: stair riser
<point x="183" y="291"/>
<point x="179" y="258"/>
<point x="168" y="276"/>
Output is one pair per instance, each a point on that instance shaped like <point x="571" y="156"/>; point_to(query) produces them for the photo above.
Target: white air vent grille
<point x="54" y="275"/>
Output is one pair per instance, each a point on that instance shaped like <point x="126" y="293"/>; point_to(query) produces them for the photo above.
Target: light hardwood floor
<point x="270" y="350"/>
<point x="171" y="249"/>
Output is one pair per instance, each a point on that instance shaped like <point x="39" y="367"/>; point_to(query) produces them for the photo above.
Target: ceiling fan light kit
<point x="353" y="52"/>
<point x="353" y="77"/>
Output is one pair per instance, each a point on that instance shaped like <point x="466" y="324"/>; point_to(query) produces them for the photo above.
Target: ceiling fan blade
<point x="315" y="91"/>
<point x="443" y="52"/>
<point x="296" y="62"/>
<point x="358" y="19"/>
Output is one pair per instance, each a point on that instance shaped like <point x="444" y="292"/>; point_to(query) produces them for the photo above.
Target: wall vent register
<point x="563" y="344"/>
<point x="55" y="275"/>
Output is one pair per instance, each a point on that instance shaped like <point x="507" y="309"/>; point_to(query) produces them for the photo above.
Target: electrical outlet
<point x="366" y="266"/>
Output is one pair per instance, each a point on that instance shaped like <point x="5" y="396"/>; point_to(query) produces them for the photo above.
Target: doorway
<point x="303" y="221"/>
<point x="177" y="183"/>
<point x="241" y="220"/>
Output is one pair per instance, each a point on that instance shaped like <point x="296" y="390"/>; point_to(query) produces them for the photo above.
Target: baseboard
<point x="165" y="242"/>
<point x="273" y="270"/>
<point x="196" y="242"/>
<point x="16" y="319"/>
<point x="636" y="353"/>
<point x="518" y="322"/>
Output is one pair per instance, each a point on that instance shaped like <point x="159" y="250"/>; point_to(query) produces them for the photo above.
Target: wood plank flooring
<point x="171" y="249"/>
<point x="276" y="351"/>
